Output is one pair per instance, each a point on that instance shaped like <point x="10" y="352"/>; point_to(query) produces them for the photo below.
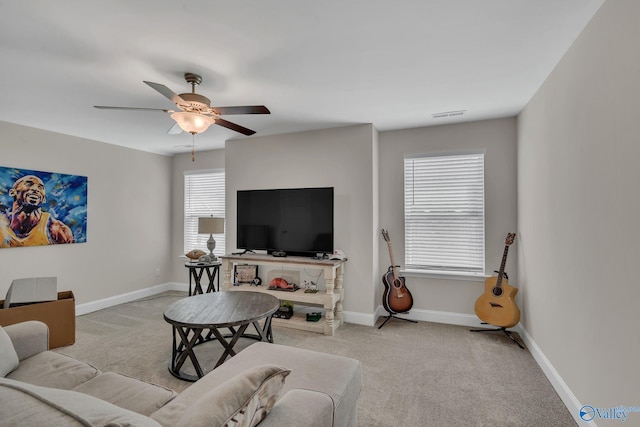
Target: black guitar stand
<point x="393" y="316"/>
<point x="506" y="332"/>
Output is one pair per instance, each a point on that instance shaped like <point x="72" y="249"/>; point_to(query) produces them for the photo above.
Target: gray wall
<point x="578" y="210"/>
<point x="128" y="215"/>
<point x="342" y="158"/>
<point x="181" y="163"/>
<point x="497" y="139"/>
<point x="366" y="169"/>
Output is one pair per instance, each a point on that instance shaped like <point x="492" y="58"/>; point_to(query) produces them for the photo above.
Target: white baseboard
<point x="568" y="398"/>
<point x="415" y="314"/>
<point x="359" y="318"/>
<point x="447" y="317"/>
<point x="92" y="306"/>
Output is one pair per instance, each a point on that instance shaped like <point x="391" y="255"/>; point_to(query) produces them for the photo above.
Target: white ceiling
<point x="314" y="64"/>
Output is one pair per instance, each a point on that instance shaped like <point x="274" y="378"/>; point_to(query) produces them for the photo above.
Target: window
<point x="444" y="213"/>
<point x="203" y="196"/>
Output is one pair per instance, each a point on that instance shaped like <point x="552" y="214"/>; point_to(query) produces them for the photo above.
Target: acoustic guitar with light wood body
<point x="496" y="305"/>
<point x="396" y="297"/>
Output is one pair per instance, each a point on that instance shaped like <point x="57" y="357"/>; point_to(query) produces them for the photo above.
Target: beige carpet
<point x="425" y="374"/>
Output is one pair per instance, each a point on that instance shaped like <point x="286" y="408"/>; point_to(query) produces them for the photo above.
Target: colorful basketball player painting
<point x="41" y="208"/>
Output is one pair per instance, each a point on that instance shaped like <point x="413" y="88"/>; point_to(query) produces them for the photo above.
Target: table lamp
<point x="211" y="226"/>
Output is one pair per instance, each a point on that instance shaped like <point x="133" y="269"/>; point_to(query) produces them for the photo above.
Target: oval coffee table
<point x="191" y="316"/>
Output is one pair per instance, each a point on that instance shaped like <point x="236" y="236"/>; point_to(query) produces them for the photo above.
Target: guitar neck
<point x="393" y="262"/>
<point x="502" y="266"/>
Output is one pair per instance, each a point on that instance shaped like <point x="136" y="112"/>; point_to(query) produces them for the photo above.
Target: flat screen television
<point x="298" y="221"/>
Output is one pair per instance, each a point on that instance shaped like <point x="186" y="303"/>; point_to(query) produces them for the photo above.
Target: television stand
<point x="330" y="300"/>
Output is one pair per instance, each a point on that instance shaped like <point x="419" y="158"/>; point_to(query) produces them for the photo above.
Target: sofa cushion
<point x="50" y="369"/>
<point x="243" y="400"/>
<point x="27" y="405"/>
<point x="126" y="392"/>
<point x="301" y="408"/>
<point x="337" y="376"/>
<point x="8" y="356"/>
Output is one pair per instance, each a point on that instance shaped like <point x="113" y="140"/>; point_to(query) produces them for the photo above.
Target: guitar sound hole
<point x="497" y="291"/>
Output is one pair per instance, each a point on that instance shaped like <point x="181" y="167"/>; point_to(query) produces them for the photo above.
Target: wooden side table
<point x="196" y="271"/>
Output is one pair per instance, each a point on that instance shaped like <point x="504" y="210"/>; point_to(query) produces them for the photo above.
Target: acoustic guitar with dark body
<point x="496" y="305"/>
<point x="396" y="297"/>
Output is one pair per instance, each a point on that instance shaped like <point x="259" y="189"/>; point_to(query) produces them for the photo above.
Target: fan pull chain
<point x="193" y="147"/>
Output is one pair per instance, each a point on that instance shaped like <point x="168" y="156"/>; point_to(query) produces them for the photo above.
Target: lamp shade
<point x="193" y="123"/>
<point x="210" y="225"/>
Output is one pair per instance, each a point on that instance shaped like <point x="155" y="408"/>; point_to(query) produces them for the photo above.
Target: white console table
<point x="331" y="299"/>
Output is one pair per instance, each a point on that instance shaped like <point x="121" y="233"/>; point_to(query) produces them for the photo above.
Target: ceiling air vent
<point x="448" y="114"/>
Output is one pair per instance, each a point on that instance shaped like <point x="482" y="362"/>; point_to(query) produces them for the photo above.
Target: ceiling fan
<point x="196" y="113"/>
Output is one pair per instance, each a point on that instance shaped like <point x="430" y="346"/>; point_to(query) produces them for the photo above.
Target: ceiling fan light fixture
<point x="193" y="123"/>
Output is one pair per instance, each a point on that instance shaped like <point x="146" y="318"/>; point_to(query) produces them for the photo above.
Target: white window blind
<point x="444" y="213"/>
<point x="203" y="196"/>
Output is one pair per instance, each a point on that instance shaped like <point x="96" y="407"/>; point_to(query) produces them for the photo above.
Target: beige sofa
<point x="282" y="386"/>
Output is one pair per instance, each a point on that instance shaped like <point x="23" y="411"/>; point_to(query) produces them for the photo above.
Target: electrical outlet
<point x="157" y="272"/>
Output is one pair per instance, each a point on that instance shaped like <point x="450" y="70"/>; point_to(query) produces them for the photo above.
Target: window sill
<point x="472" y="277"/>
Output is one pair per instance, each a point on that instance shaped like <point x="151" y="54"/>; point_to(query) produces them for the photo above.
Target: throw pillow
<point x="8" y="356"/>
<point x="242" y="401"/>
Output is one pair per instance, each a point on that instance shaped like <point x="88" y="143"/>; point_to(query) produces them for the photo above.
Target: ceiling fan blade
<point x="246" y="109"/>
<point x="105" y="107"/>
<point x="174" y="97"/>
<point x="233" y="126"/>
